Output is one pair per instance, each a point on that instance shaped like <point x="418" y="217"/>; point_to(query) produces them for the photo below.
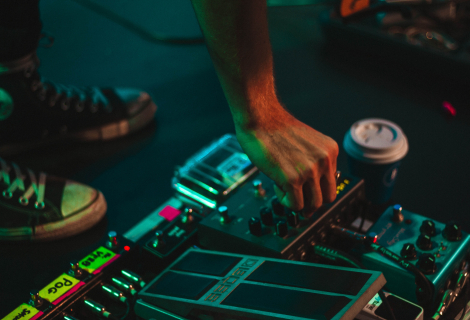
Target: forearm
<point x="237" y="38"/>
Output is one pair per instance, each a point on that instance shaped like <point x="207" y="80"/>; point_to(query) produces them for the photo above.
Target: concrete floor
<point x="327" y="89"/>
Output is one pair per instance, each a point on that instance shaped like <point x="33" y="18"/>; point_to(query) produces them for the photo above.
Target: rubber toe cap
<point x="134" y="99"/>
<point x="76" y="197"/>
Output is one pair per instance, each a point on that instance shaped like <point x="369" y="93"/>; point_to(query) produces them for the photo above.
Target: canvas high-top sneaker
<point x="37" y="206"/>
<point x="35" y="111"/>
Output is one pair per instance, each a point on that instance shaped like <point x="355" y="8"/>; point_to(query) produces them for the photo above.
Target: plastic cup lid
<point x="376" y="141"/>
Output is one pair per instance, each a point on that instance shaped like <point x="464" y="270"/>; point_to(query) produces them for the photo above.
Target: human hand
<point x="300" y="160"/>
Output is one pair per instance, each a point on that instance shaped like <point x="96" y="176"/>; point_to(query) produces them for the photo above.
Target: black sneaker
<point x="35" y="111"/>
<point x="42" y="207"/>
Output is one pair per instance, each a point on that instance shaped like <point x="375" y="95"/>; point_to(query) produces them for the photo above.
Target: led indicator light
<point x="196" y="196"/>
<point x="130" y="275"/>
<point x="127" y="248"/>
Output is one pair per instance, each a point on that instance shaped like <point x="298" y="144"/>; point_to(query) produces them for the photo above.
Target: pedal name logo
<point x="225" y="286"/>
<point x="96" y="259"/>
<point x="58" y="287"/>
<point x="6" y="105"/>
<point x="23" y="312"/>
<point x="59" y="284"/>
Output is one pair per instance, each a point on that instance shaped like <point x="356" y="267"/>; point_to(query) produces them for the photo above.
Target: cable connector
<point x="447" y="299"/>
<point x="124" y="285"/>
<point x="96" y="308"/>
<point x="113" y="293"/>
<point x="133" y="277"/>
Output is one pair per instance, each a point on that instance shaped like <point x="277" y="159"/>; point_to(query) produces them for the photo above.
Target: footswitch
<point x="213" y="285"/>
<point x="439" y="250"/>
<point x="403" y="309"/>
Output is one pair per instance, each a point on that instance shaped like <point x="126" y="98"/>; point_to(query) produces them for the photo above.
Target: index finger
<point x="290" y="196"/>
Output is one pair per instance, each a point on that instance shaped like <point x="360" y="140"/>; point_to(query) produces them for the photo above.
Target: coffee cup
<point x="375" y="149"/>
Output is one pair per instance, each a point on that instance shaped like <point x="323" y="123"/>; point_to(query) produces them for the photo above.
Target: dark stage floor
<point x="326" y="88"/>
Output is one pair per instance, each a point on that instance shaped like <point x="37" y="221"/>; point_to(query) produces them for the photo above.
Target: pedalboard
<point x="254" y="222"/>
<point x="94" y="287"/>
<point x="213" y="285"/>
<point x="222" y="202"/>
<point x="438" y="250"/>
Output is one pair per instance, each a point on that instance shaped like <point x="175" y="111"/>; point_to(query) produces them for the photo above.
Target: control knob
<point x="112" y="242"/>
<point x="259" y="190"/>
<point x="427" y="263"/>
<point x="187" y="216"/>
<point x="281" y="228"/>
<point x="428" y="227"/>
<point x="424" y="242"/>
<point x="293" y="218"/>
<point x="158" y="242"/>
<point x="408" y="251"/>
<point x="224" y="218"/>
<point x="452" y="231"/>
<point x="255" y="226"/>
<point x="278" y="208"/>
<point x="266" y="215"/>
<point x="397" y="214"/>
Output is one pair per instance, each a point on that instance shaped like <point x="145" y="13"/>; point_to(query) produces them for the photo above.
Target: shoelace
<point x="60" y="94"/>
<point x="64" y="94"/>
<point x="35" y="188"/>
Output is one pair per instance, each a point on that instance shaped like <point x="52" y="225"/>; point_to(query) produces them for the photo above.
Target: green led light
<point x="129" y="275"/>
<point x="196" y="196"/>
<point x="202" y="185"/>
<point x="121" y="283"/>
<point x="107" y="289"/>
<point x="89" y="303"/>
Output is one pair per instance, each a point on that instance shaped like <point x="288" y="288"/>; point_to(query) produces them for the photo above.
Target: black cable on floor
<point x="142" y="32"/>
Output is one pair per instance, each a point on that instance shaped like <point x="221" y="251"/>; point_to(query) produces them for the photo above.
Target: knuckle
<point x="334" y="148"/>
<point x="294" y="180"/>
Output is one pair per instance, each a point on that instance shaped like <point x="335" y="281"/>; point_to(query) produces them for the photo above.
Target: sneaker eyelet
<point x="53" y="100"/>
<point x="23" y="201"/>
<point x="79" y="106"/>
<point x="35" y="85"/>
<point x="28" y="72"/>
<point x="39" y="205"/>
<point x="65" y="104"/>
<point x="94" y="108"/>
<point x="42" y="94"/>
<point x="7" y="194"/>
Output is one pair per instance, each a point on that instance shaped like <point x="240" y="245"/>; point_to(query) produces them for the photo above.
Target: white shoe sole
<point x="72" y="225"/>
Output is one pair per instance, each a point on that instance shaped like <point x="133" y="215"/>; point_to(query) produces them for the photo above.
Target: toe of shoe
<point x="77" y="197"/>
<point x="134" y="99"/>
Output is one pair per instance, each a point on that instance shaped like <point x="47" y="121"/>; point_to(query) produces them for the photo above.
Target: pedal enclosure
<point x="393" y="235"/>
<point x="203" y="284"/>
<point x="236" y="237"/>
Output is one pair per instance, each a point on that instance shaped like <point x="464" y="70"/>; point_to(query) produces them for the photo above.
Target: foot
<point x="35" y="111"/>
<point x="36" y="206"/>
